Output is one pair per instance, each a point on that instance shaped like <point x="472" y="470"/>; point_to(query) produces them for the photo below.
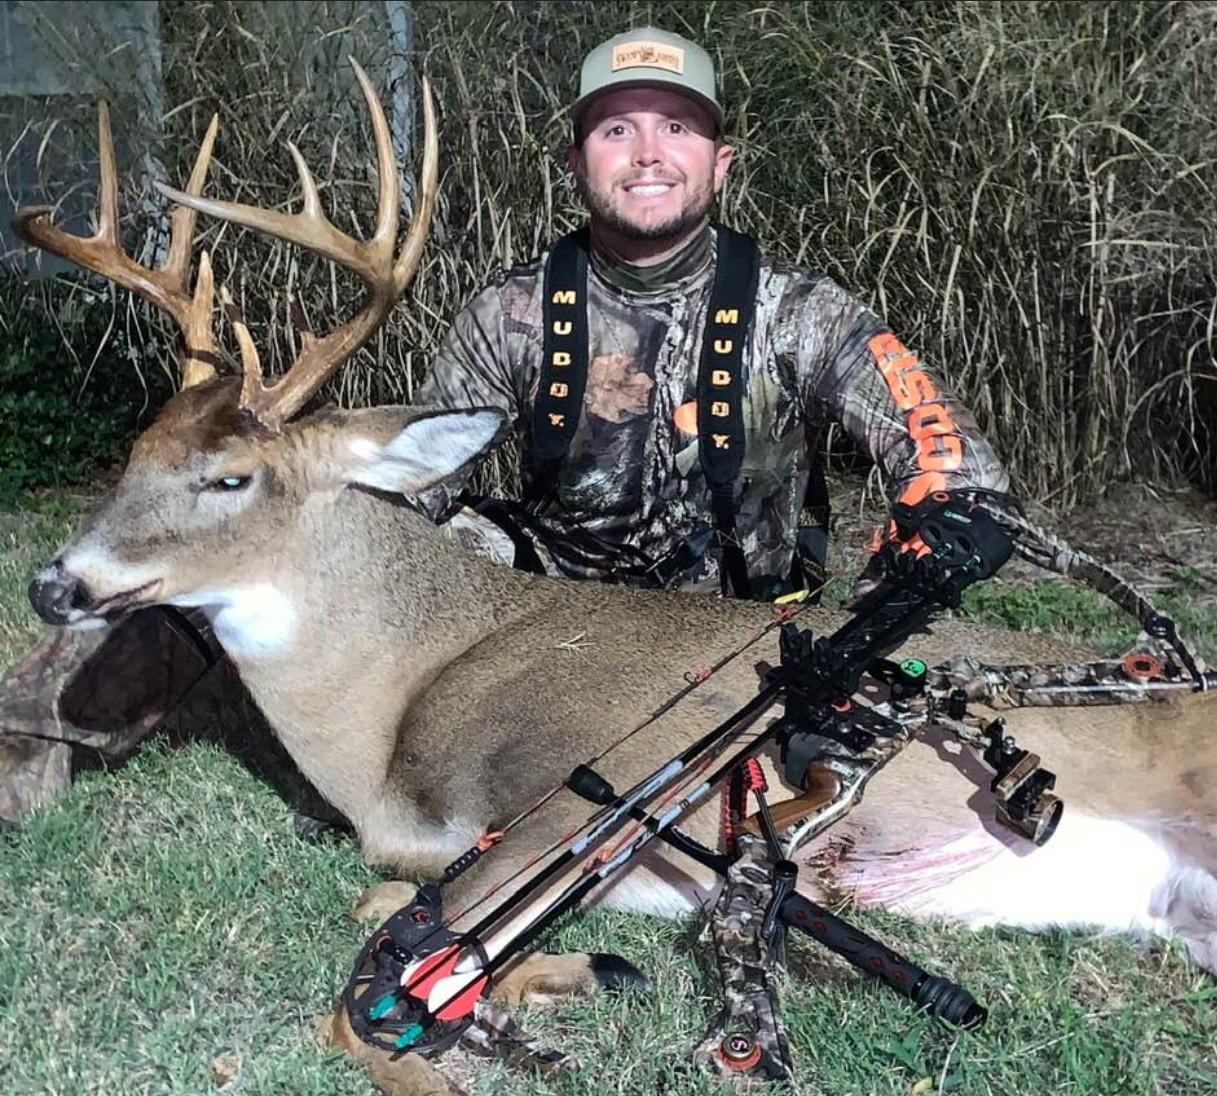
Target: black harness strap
<point x="809" y="568"/>
<point x="720" y="413"/>
<point x="564" y="360"/>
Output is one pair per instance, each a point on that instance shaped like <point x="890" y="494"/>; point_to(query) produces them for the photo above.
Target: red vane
<point x="462" y="1004"/>
<point x="430" y="971"/>
<point x="434" y="969"/>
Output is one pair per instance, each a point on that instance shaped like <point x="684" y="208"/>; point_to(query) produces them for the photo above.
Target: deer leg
<point x="220" y="709"/>
<point x="381" y="900"/>
<point x="1188" y="904"/>
<point x="542" y="979"/>
<point x="410" y="1075"/>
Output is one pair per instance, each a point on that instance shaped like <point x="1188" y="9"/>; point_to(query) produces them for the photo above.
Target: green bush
<point x="65" y="416"/>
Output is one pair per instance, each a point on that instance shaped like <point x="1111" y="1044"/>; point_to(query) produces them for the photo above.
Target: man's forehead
<point x="671" y="104"/>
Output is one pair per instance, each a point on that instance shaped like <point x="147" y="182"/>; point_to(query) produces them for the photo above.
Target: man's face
<point x="649" y="167"/>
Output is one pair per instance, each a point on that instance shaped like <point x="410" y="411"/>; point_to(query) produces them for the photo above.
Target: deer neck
<point x="370" y="607"/>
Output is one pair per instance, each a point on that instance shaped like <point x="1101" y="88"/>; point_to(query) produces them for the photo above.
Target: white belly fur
<point x="1095" y="874"/>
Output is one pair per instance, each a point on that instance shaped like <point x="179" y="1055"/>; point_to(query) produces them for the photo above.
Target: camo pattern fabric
<point x="101" y="690"/>
<point x="1138" y="678"/>
<point x="746" y="1039"/>
<point x="633" y="477"/>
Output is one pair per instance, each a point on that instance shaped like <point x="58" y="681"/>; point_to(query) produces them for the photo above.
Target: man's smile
<point x="649" y="188"/>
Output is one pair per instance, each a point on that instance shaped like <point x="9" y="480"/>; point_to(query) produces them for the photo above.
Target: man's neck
<point x="644" y="268"/>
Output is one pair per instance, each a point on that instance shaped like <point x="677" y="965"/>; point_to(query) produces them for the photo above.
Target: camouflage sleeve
<point x="847" y="366"/>
<point x="472" y="368"/>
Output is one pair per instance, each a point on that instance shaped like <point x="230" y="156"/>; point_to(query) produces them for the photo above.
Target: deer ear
<point x="426" y="450"/>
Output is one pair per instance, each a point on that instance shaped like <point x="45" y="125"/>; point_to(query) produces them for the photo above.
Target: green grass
<point x="165" y="917"/>
<point x="1064" y="608"/>
<point x="28" y="540"/>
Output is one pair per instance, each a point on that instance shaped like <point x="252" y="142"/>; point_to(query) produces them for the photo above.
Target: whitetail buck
<point x="430" y="693"/>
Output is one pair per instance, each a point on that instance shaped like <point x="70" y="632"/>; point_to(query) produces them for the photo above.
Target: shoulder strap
<point x="563" y="375"/>
<point x="720" y="416"/>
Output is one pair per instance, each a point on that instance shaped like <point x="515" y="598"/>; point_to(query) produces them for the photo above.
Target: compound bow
<point x="418" y="985"/>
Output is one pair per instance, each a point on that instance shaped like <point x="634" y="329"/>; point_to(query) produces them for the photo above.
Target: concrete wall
<point x="56" y="60"/>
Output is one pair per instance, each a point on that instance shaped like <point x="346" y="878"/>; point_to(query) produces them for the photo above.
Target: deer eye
<point x="229" y="483"/>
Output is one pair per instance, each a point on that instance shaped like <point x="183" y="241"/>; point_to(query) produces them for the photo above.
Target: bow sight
<point x="419" y="985"/>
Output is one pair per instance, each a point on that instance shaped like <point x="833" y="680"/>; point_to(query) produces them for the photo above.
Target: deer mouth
<point x="124" y="602"/>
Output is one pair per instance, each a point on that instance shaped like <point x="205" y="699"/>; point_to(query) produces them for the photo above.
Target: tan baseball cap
<point x="648" y="57"/>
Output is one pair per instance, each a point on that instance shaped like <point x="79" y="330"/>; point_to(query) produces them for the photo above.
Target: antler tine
<point x="372" y="260"/>
<point x="107" y="196"/>
<point x="311" y="228"/>
<point x="200" y="338"/>
<point x="166" y="288"/>
<point x="416" y="240"/>
<point x="182" y="232"/>
<point x="251" y="381"/>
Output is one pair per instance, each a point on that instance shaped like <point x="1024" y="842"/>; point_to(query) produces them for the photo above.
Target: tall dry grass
<point x="1024" y="190"/>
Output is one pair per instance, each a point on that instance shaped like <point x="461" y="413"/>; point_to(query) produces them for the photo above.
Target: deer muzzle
<point x="62" y="598"/>
<point x="58" y="597"/>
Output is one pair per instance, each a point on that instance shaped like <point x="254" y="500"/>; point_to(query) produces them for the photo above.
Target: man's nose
<point x="646" y="148"/>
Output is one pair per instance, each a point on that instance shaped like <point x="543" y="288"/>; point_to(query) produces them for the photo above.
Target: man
<point x="644" y="464"/>
<point x="638" y="481"/>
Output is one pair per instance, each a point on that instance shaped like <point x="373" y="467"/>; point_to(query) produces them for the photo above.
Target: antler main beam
<point x="372" y="260"/>
<point x="168" y="287"/>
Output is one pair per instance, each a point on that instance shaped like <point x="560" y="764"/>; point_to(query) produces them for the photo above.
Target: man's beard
<point x="692" y="213"/>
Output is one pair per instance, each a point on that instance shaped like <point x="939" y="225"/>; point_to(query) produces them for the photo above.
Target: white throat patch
<point x="253" y="621"/>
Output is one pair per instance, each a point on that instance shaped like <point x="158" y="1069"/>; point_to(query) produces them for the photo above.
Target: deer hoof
<point x="612" y="973"/>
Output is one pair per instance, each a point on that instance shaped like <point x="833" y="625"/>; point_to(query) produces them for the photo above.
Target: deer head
<point x="214" y="487"/>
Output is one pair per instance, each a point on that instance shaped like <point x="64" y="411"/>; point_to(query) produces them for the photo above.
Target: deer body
<point x="432" y="695"/>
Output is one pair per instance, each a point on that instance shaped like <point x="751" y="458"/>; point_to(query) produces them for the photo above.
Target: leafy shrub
<point x="65" y="417"/>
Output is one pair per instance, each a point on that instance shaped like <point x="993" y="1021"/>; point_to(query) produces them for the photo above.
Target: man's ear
<point x="427" y="450"/>
<point x="724" y="154"/>
<point x="574" y="160"/>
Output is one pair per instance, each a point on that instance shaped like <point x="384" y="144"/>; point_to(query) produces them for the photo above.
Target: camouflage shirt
<point x="633" y="477"/>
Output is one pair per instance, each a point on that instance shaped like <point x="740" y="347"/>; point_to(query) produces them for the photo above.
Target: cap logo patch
<point x="648" y="55"/>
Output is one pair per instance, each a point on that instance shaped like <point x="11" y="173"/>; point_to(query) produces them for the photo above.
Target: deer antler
<point x="167" y="288"/>
<point x="371" y="260"/>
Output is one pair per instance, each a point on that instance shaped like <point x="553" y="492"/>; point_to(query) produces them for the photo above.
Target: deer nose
<point x="54" y="594"/>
